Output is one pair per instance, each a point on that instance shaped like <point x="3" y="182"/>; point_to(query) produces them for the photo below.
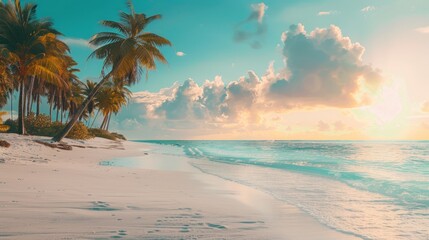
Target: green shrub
<point x="118" y="136"/>
<point x="41" y="125"/>
<point x="79" y="131"/>
<point x="105" y="134"/>
<point x="13" y="124"/>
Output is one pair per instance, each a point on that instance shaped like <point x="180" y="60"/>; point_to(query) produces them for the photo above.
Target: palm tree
<point x="88" y="88"/>
<point x="110" y="99"/>
<point x="23" y="41"/>
<point x="127" y="52"/>
<point x="37" y="86"/>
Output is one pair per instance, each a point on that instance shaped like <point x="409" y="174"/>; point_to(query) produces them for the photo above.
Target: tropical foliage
<point x="127" y="52"/>
<point x="37" y="66"/>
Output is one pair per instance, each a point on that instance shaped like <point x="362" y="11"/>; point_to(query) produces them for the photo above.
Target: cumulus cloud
<point x="423" y="30"/>
<point x="368" y="9"/>
<point x="323" y="69"/>
<point x="183" y="103"/>
<point x="180" y="54"/>
<point x="80" y="42"/>
<point x="245" y="31"/>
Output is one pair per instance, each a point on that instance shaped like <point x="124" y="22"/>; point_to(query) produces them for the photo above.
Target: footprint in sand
<point x="185" y="228"/>
<point x="251" y="222"/>
<point x="216" y="226"/>
<point x="120" y="233"/>
<point x="251" y="225"/>
<point x="101" y="206"/>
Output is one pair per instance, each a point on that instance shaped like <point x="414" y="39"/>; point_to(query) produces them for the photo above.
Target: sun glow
<point x="389" y="105"/>
<point x="387" y="115"/>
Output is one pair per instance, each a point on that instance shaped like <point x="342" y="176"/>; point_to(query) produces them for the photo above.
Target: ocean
<point x="370" y="189"/>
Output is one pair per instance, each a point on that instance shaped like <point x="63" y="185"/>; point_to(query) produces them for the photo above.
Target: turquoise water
<point x="374" y="190"/>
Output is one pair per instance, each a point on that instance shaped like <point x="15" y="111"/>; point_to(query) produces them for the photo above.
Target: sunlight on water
<point x="375" y="190"/>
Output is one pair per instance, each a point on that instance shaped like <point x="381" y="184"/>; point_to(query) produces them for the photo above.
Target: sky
<point x="290" y="69"/>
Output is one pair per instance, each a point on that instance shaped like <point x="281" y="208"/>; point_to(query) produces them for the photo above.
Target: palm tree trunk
<point x="81" y="109"/>
<point x="108" y="122"/>
<point x="11" y="104"/>
<point x="95" y="118"/>
<point x="88" y="121"/>
<point x="102" y="123"/>
<point x="38" y="105"/>
<point x="31" y="104"/>
<point x="30" y="97"/>
<point x="21" y="109"/>
<point x="50" y="111"/>
<point x="58" y="111"/>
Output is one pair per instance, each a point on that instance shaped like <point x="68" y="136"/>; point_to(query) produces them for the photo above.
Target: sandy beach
<point x="48" y="193"/>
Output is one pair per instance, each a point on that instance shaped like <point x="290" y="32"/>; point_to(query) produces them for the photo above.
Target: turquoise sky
<point x="313" y="96"/>
<point x="203" y="30"/>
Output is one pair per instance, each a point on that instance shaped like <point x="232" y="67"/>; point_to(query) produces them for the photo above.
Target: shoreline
<point x="59" y="194"/>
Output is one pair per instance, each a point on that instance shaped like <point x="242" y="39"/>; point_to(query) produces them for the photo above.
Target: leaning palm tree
<point x="22" y="43"/>
<point x="127" y="53"/>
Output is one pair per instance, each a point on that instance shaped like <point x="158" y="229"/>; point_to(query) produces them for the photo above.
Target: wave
<point x="375" y="190"/>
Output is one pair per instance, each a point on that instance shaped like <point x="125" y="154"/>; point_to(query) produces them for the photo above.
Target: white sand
<point x="48" y="193"/>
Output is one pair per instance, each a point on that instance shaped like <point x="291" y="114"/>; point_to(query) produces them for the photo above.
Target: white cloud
<point x="323" y="69"/>
<point x="180" y="54"/>
<point x="423" y="30"/>
<point x="324" y="13"/>
<point x="368" y="9"/>
<point x="78" y="42"/>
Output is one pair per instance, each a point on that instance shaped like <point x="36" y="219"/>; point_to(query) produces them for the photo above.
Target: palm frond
<point x="116" y="25"/>
<point x="153" y="39"/>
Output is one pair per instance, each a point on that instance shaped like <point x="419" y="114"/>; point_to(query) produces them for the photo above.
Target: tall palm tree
<point x="22" y="42"/>
<point x="127" y="53"/>
<point x="59" y="51"/>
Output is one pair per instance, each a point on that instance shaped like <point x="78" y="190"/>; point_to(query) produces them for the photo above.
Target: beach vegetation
<point x="96" y="132"/>
<point x="31" y="53"/>
<point x="41" y="125"/>
<point x="127" y="52"/>
<point x="36" y="64"/>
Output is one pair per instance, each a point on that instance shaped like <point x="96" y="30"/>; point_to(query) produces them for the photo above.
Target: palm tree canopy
<point x="29" y="43"/>
<point x="88" y="88"/>
<point x="21" y="30"/>
<point x="112" y="97"/>
<point x="129" y="51"/>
